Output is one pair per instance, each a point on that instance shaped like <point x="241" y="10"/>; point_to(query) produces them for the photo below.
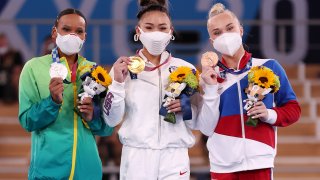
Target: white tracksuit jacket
<point x="137" y="103"/>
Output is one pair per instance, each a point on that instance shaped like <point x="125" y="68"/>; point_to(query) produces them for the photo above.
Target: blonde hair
<point x="216" y="9"/>
<point x="219" y="8"/>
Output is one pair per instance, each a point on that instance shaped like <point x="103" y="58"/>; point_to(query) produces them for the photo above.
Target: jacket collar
<point x="243" y="61"/>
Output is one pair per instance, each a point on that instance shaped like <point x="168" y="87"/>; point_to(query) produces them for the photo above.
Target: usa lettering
<point x="107" y="103"/>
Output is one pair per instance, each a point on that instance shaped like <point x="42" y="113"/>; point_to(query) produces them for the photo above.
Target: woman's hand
<point x="120" y="68"/>
<point x="209" y="76"/>
<point x="259" y="110"/>
<point x="56" y="89"/>
<point x="86" y="108"/>
<point x="174" y="106"/>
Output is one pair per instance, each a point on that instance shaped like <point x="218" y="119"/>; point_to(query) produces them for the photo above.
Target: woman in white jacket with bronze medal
<point x="153" y="148"/>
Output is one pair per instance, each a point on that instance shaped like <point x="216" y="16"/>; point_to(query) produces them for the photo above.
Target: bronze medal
<point x="209" y="59"/>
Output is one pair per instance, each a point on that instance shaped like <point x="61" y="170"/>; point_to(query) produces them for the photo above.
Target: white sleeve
<point x="208" y="114"/>
<point x="272" y="117"/>
<point x="114" y="103"/>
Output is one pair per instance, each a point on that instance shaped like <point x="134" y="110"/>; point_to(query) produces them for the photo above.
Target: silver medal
<point x="58" y="70"/>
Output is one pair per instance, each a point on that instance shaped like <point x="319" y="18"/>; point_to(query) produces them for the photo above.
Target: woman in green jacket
<point x="63" y="143"/>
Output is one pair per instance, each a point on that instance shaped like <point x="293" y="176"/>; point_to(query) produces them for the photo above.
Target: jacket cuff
<point x="52" y="103"/>
<point x="272" y="116"/>
<point x="210" y="91"/>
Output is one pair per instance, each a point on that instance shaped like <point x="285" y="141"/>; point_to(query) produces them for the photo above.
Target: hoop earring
<point x="136" y="37"/>
<point x="173" y="38"/>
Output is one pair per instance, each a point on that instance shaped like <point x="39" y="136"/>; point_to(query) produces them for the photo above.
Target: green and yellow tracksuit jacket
<point x="63" y="144"/>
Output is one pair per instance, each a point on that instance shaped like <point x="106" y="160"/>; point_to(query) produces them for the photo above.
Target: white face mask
<point x="69" y="44"/>
<point x="155" y="42"/>
<point x="228" y="43"/>
<point x="4" y="50"/>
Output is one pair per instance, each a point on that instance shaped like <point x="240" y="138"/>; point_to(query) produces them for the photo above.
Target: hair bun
<point x="151" y="2"/>
<point x="216" y="9"/>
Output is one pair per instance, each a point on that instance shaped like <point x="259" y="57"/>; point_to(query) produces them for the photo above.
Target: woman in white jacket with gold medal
<point x="152" y="148"/>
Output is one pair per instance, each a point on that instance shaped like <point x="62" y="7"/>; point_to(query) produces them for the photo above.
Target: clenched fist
<point x="86" y="108"/>
<point x="56" y="89"/>
<point x="209" y="75"/>
<point x="120" y="68"/>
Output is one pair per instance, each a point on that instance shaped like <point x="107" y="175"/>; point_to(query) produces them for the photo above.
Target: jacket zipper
<point x="241" y="110"/>
<point x="242" y="121"/>
<point x="160" y="102"/>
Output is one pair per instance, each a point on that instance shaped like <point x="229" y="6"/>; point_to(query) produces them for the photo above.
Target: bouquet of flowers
<point x="262" y="81"/>
<point x="183" y="83"/>
<point x="94" y="82"/>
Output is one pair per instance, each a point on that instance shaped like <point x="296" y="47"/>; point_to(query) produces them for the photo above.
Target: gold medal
<point x="209" y="59"/>
<point x="137" y="64"/>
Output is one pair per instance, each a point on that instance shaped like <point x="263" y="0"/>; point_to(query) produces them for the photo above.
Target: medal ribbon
<point x="55" y="55"/>
<point x="133" y="75"/>
<point x="146" y="68"/>
<point x="74" y="72"/>
<point x="156" y="67"/>
<point x="231" y="71"/>
<point x="55" y="58"/>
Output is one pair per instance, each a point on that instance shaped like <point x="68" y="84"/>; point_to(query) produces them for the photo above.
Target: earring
<point x="136" y="37"/>
<point x="173" y="38"/>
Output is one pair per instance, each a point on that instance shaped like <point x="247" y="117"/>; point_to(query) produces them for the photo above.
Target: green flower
<point x="192" y="81"/>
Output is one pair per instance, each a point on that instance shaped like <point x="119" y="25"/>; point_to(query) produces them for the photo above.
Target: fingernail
<point x="165" y="105"/>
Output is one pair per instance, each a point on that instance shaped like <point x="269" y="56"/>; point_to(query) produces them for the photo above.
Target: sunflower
<point x="264" y="77"/>
<point x="101" y="76"/>
<point x="251" y="73"/>
<point x="276" y="86"/>
<point x="180" y="74"/>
